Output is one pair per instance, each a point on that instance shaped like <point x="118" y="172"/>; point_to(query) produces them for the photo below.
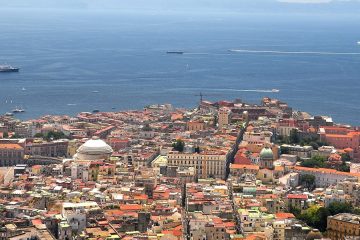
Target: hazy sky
<point x="303" y="5"/>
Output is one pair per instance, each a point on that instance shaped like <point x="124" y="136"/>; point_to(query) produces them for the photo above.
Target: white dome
<point x="95" y="146"/>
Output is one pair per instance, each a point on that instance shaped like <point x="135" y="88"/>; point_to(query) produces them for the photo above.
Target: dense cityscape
<point x="223" y="170"/>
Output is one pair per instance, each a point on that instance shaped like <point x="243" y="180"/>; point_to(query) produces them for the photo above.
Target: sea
<point x="111" y="60"/>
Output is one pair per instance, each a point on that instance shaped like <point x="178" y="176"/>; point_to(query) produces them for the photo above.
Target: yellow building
<point x="207" y="164"/>
<point x="343" y="225"/>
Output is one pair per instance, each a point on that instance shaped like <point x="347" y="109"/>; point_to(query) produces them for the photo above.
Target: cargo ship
<point x="175" y="52"/>
<point x="8" y="68"/>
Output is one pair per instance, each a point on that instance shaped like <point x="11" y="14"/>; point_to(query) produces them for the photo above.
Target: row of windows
<point x="10" y="154"/>
<point x="193" y="163"/>
<point x="197" y="157"/>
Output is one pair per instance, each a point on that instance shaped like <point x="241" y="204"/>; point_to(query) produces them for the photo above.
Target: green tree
<point x="314" y="162"/>
<point x="294" y="136"/>
<point x="321" y="219"/>
<point x="39" y="135"/>
<point x="343" y="167"/>
<point x="197" y="149"/>
<point x="339" y="207"/>
<point x="321" y="143"/>
<point x="315" y="216"/>
<point x="345" y="157"/>
<point x="179" y="145"/>
<point x="5" y="135"/>
<point x="15" y="135"/>
<point x="308" y="181"/>
<point x="284" y="150"/>
<point x="294" y="210"/>
<point x="356" y="211"/>
<point x="314" y="145"/>
<point x="54" y="135"/>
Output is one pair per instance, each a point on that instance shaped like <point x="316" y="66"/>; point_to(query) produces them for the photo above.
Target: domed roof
<point x="266" y="153"/>
<point x="95" y="146"/>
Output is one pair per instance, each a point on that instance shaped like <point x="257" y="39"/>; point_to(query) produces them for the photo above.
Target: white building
<point x="325" y="177"/>
<point x="75" y="213"/>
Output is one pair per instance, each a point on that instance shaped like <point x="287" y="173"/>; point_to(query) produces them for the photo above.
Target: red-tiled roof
<point x="297" y="196"/>
<point x="283" y="215"/>
<point x="10" y="146"/>
<point x="36" y="221"/>
<point x="240" y="159"/>
<point x="242" y="166"/>
<point x="130" y="207"/>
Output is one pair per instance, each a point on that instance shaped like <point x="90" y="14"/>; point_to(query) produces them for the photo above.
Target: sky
<point x="297" y="5"/>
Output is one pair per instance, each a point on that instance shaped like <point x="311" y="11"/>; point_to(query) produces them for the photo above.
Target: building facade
<point x="207" y="164"/>
<point x="11" y="154"/>
<point x="343" y="225"/>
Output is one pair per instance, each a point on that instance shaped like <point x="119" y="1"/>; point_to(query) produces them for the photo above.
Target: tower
<point x="223" y="119"/>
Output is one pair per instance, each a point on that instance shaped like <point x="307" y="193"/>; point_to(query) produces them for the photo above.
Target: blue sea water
<point x="65" y="55"/>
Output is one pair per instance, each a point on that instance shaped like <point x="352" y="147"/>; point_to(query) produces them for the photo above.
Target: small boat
<point x="18" y="110"/>
<point x="8" y="68"/>
<point x="95" y="91"/>
<point x="175" y="52"/>
<point x="96" y="111"/>
<point x="9" y="114"/>
<point x="358" y="42"/>
<point x="23" y="89"/>
<point x="275" y="90"/>
<point x="113" y="108"/>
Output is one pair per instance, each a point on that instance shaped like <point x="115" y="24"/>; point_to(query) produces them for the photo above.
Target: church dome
<point x="266" y="153"/>
<point x="94" y="149"/>
<point x="95" y="146"/>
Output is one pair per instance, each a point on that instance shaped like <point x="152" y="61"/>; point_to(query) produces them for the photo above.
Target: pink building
<point x="341" y="138"/>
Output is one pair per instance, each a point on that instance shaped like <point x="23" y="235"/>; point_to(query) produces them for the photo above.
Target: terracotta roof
<point x="242" y="166"/>
<point x="36" y="221"/>
<point x="283" y="215"/>
<point x="297" y="196"/>
<point x="130" y="207"/>
<point x="10" y="146"/>
<point x="173" y="232"/>
<point x="240" y="159"/>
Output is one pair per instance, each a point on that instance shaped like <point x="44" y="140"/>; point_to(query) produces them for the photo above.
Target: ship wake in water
<point x="228" y="90"/>
<point x="292" y="52"/>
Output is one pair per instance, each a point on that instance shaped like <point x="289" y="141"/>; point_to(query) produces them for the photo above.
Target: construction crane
<point x="201" y="95"/>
